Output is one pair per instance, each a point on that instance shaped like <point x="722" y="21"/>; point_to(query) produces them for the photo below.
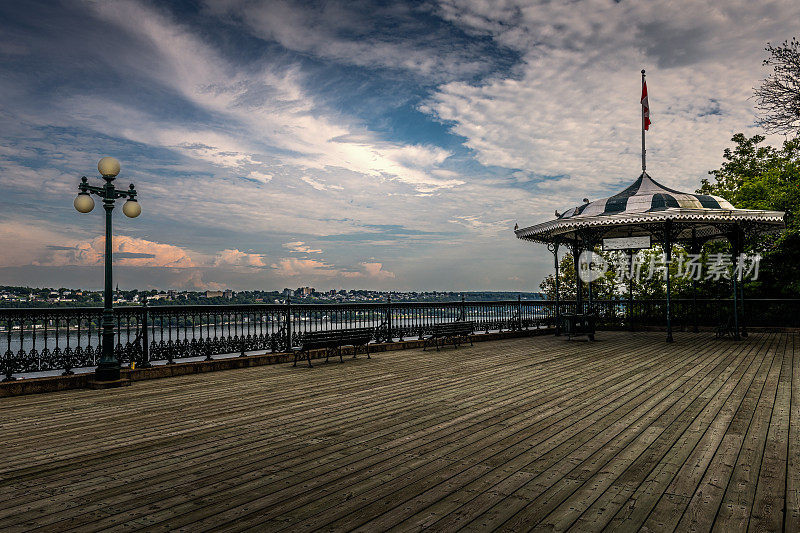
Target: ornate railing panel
<point x="65" y="339"/>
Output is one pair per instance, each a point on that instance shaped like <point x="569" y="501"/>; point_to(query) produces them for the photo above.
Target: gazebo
<point x="648" y="212"/>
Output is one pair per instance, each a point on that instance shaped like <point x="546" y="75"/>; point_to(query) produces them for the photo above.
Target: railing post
<point x="242" y="343"/>
<point x="389" y="336"/>
<point x="170" y="345"/>
<point x="463" y="308"/>
<point x="288" y="323"/>
<point x="145" y="336"/>
<point x="8" y="358"/>
<point x="519" y="311"/>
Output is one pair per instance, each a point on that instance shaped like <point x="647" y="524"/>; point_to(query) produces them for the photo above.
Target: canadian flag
<point x="645" y="107"/>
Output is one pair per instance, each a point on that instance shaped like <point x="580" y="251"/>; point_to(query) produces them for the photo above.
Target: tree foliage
<point x="753" y="176"/>
<point x="778" y="97"/>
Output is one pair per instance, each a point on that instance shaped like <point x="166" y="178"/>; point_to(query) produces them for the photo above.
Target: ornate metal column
<point x="668" y="251"/>
<point x="741" y="285"/>
<point x="734" y="239"/>
<point x="553" y="247"/>
<point x="695" y="249"/>
<point x="589" y="246"/>
<point x="578" y="284"/>
<point x="630" y="290"/>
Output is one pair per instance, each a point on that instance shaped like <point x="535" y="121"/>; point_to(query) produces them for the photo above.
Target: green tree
<point x="753" y="176"/>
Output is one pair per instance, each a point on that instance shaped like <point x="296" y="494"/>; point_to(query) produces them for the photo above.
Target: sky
<point x="350" y="144"/>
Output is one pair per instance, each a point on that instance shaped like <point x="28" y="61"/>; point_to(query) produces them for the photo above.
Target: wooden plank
<point x="438" y="447"/>
<point x="769" y="502"/>
<point x="607" y="489"/>
<point x="672" y="504"/>
<point x="548" y="492"/>
<point x="644" y="499"/>
<point x="574" y="436"/>
<point x="624" y="432"/>
<point x="290" y="472"/>
<point x="792" y="514"/>
<point x="705" y="503"/>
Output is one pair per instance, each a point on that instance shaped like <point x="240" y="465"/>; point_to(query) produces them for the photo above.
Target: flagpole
<point x="644" y="151"/>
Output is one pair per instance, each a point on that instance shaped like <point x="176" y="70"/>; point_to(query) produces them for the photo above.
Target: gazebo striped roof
<point x="643" y="207"/>
<point x="646" y="195"/>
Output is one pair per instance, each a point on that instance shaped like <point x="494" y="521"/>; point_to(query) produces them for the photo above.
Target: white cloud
<point x="234" y="257"/>
<point x="372" y="270"/>
<point x="127" y="251"/>
<point x="260" y="153"/>
<point x="301" y="247"/>
<point x="571" y="110"/>
<point x="321" y="32"/>
<point x="315" y="270"/>
<point x="320" y="186"/>
<point x="270" y="106"/>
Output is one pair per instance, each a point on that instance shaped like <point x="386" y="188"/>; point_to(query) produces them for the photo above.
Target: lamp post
<point x="108" y="366"/>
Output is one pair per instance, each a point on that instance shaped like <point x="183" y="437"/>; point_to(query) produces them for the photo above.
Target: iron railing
<point x="65" y="339"/>
<point x="702" y="313"/>
<point x="61" y="340"/>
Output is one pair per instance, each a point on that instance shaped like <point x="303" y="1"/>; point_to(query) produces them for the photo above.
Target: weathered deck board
<point x="619" y="434"/>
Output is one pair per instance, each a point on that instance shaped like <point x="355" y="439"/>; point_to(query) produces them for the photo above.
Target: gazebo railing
<point x="705" y="312"/>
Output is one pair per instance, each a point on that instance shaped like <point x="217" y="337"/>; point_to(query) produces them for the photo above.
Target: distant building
<point x="302" y="292"/>
<point x="228" y="294"/>
<point x="213" y="294"/>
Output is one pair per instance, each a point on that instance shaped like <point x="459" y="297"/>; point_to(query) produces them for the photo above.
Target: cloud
<point x="235" y="257"/>
<point x="318" y="185"/>
<point x="318" y="270"/>
<point x="269" y="105"/>
<point x="414" y="132"/>
<point x="301" y="247"/>
<point x="371" y="271"/>
<point x="127" y="251"/>
<point x="307" y="268"/>
<point x="355" y="33"/>
<point x="570" y="115"/>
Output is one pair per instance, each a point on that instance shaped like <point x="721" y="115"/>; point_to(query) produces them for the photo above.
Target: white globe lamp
<point x="83" y="203"/>
<point x="132" y="209"/>
<point x="108" y="166"/>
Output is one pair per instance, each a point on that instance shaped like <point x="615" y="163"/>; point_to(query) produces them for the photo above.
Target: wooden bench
<point x="452" y="332"/>
<point x="332" y="340"/>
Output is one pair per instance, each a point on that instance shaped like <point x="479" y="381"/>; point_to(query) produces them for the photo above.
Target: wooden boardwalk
<point x="626" y="433"/>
